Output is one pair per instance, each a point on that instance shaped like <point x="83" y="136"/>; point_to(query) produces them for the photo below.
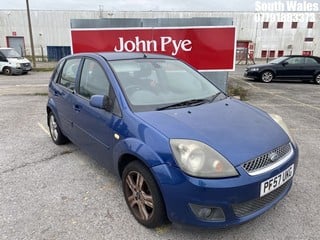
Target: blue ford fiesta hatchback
<point x="184" y="150"/>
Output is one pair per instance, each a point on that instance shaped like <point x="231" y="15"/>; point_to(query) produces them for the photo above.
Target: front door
<point x="292" y="68"/>
<point x="93" y="127"/>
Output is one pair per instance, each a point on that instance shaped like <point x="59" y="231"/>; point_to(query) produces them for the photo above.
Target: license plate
<point x="275" y="182"/>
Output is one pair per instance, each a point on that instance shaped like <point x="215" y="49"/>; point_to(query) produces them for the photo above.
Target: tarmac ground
<point x="52" y="192"/>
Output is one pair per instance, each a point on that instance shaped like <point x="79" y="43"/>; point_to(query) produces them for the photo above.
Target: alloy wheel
<point x="267" y="77"/>
<point x="317" y="79"/>
<point x="53" y="127"/>
<point x="139" y="196"/>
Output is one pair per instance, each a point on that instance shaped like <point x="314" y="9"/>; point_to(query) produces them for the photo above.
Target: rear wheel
<point x="55" y="132"/>
<point x="142" y="195"/>
<point x="7" y="71"/>
<point x="267" y="76"/>
<point x="317" y="79"/>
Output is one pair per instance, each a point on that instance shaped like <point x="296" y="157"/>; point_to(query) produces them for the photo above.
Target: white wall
<point x="52" y="28"/>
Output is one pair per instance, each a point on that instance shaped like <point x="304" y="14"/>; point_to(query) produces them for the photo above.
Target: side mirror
<point x="102" y="102"/>
<point x="285" y="64"/>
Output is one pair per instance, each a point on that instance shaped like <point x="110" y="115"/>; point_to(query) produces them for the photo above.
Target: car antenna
<point x="144" y="55"/>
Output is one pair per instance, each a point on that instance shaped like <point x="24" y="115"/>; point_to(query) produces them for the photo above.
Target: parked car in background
<point x="293" y="67"/>
<point x="183" y="149"/>
<point x="11" y="62"/>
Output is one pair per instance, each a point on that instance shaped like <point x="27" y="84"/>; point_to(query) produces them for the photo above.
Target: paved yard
<point x="51" y="192"/>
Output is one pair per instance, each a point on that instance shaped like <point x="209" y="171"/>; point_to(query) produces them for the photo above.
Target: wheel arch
<point x="131" y="149"/>
<point x="268" y="70"/>
<point x="51" y="108"/>
<point x="124" y="160"/>
<point x="317" y="73"/>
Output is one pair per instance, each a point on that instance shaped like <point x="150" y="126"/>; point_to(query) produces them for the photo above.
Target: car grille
<point x="268" y="159"/>
<point x="26" y="64"/>
<point x="246" y="208"/>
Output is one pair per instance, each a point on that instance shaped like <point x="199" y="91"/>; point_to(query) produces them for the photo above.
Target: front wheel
<point x="142" y="195"/>
<point x="317" y="79"/>
<point x="55" y="132"/>
<point x="266" y="76"/>
<point x="7" y="71"/>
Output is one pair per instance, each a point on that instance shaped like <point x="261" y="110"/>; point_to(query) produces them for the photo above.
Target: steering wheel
<point x="132" y="88"/>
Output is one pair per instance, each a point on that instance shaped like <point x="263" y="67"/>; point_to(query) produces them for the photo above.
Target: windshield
<point x="10" y="53"/>
<point x="278" y="60"/>
<point x="154" y="84"/>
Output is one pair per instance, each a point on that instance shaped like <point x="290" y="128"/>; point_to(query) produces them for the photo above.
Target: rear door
<point x="63" y="92"/>
<point x="311" y="67"/>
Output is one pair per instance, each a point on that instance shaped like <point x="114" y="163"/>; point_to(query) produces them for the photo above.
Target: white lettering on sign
<point x="165" y="42"/>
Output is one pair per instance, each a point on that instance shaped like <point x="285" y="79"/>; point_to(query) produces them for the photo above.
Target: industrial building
<point x="259" y="34"/>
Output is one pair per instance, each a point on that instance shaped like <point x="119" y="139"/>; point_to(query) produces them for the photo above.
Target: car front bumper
<point x="238" y="197"/>
<point x="23" y="69"/>
<point x="251" y="74"/>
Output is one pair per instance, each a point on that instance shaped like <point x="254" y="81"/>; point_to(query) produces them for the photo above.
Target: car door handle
<point x="58" y="93"/>
<point x="76" y="107"/>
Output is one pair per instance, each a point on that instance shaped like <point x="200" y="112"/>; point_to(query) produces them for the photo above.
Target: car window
<point x="56" y="72"/>
<point x="311" y="61"/>
<point x="69" y="73"/>
<point x="278" y="60"/>
<point x="93" y="79"/>
<point x="149" y="84"/>
<point x="295" y="60"/>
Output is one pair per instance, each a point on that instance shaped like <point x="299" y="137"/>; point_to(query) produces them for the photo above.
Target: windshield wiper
<point x="192" y="102"/>
<point x="213" y="97"/>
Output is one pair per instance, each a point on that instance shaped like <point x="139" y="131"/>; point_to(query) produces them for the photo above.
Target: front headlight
<point x="199" y="160"/>
<point x="282" y="124"/>
<point x="254" y="69"/>
<point x="18" y="65"/>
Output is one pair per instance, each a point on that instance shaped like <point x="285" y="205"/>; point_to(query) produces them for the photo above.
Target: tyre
<point x="317" y="79"/>
<point x="55" y="132"/>
<point x="266" y="76"/>
<point x="7" y="71"/>
<point x="142" y="195"/>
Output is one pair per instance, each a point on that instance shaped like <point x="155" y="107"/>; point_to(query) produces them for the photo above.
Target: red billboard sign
<point x="205" y="48"/>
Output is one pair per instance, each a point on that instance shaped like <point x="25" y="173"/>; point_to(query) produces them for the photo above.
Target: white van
<point x="12" y="63"/>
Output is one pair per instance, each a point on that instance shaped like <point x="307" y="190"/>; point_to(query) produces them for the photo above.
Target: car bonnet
<point x="236" y="130"/>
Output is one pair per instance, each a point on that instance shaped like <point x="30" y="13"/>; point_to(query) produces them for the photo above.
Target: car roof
<point x="109" y="56"/>
<point x="300" y="56"/>
<point x="314" y="57"/>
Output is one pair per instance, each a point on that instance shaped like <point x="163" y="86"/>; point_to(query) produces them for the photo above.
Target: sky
<point x="133" y="5"/>
<point x="148" y="5"/>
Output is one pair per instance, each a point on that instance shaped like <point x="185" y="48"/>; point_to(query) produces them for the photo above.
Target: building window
<point x="263" y="53"/>
<point x="310" y="25"/>
<point x="272" y="53"/>
<point x="294" y="25"/>
<point x="280" y="53"/>
<point x="265" y="25"/>
<point x="308" y="39"/>
<point x="279" y="24"/>
<point x="306" y="53"/>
